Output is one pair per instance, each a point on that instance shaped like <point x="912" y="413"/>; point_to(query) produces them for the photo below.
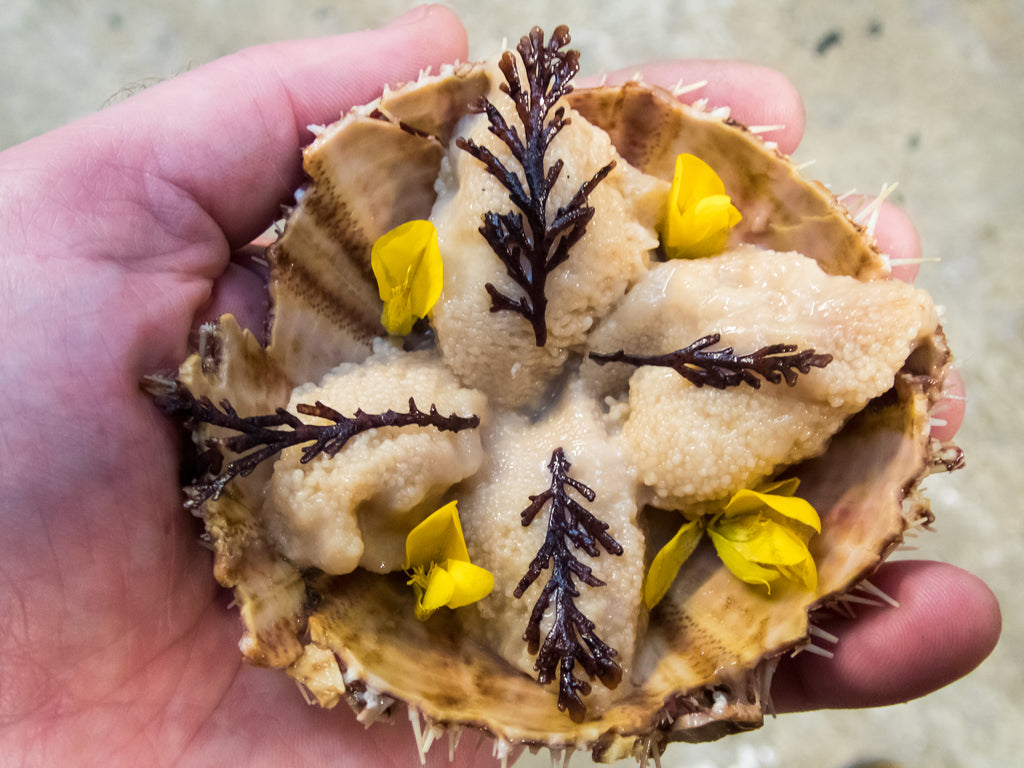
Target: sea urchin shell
<point x="313" y="546"/>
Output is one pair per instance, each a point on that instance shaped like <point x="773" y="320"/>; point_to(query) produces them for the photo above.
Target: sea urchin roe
<point x="339" y="514"/>
<point x="519" y="453"/>
<point x="497" y="352"/>
<point x="693" y="444"/>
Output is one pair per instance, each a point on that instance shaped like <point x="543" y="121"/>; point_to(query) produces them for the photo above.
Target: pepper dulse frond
<point x="261" y="437"/>
<point x="722" y="368"/>
<point x="532" y="251"/>
<point x="571" y="638"/>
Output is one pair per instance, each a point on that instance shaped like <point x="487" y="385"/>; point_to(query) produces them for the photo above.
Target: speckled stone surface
<point x="921" y="92"/>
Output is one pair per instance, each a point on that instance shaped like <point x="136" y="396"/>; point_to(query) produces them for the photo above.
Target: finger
<point x="899" y="240"/>
<point x="895" y="233"/>
<point x="947" y="622"/>
<point x="240" y="290"/>
<point x="262" y="717"/>
<point x="279" y="90"/>
<point x="948" y="414"/>
<point x="758" y="97"/>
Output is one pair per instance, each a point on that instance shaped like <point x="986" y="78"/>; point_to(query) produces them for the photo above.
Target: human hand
<point x="118" y="234"/>
<point x="116" y="646"/>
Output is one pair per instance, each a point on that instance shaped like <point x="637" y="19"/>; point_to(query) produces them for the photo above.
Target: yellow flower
<point x="438" y="563"/>
<point x="699" y="214"/>
<point x="407" y="264"/>
<point x="760" y="535"/>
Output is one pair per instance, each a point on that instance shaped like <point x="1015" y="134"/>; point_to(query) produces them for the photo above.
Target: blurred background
<point x="926" y="93"/>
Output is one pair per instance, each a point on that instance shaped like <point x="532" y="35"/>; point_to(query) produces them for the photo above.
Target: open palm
<point x="116" y="236"/>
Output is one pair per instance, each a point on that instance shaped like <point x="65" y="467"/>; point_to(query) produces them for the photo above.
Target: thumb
<point x="228" y="133"/>
<point x="248" y="117"/>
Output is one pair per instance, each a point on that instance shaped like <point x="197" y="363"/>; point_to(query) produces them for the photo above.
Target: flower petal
<point x="471" y="583"/>
<point x="438" y="591"/>
<point x="407" y="264"/>
<point x="437" y="539"/>
<point x="695" y="179"/>
<point x="805" y="572"/>
<point x="669" y="560"/>
<point x="746" y="501"/>
<point x="741" y="567"/>
<point x="762" y="540"/>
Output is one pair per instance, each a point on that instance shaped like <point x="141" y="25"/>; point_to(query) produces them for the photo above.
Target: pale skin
<point x="117" y="232"/>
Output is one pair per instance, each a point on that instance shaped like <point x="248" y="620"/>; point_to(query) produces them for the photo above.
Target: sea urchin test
<point x="574" y="404"/>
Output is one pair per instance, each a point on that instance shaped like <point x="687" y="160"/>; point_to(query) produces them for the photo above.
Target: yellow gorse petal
<point x="471" y="583"/>
<point x="698" y="215"/>
<point x="436" y="539"/>
<point x="669" y="560"/>
<point x="760" y="535"/>
<point x="407" y="264"/>
<point x="762" y="540"/>
<point x="799" y="510"/>
<point x="741" y="566"/>
<point x="438" y="564"/>
<point x="437" y="591"/>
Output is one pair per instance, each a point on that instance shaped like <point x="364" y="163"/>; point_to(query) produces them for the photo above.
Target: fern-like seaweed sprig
<point x="530" y="251"/>
<point x="571" y="637"/>
<point x="261" y="437"/>
<point x="722" y="368"/>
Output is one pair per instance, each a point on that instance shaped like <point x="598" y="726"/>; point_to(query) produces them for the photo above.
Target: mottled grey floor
<point x="923" y="92"/>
